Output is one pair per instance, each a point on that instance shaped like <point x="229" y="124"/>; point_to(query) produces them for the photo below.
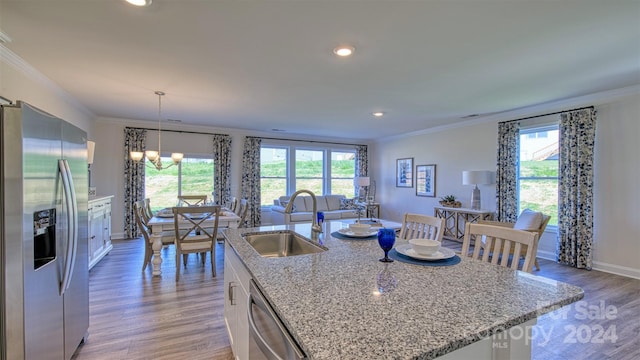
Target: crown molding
<point x="9" y="57"/>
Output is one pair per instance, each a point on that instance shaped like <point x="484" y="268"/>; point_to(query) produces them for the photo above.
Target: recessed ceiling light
<point x="344" y="50"/>
<point x="139" y="2"/>
<point x="378" y="114"/>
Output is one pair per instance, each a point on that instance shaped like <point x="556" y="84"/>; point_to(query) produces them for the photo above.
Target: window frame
<point x="527" y="131"/>
<point x="167" y="157"/>
<point x="291" y="148"/>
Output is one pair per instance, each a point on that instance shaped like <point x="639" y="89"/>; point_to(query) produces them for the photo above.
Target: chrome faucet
<point x="314" y="224"/>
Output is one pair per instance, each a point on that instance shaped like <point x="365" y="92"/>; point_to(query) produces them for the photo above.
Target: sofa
<point x="334" y="207"/>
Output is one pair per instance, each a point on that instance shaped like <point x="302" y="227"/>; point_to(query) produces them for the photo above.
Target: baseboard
<point x="617" y="269"/>
<point x="118" y="236"/>
<point x="547" y="255"/>
<point x="600" y="266"/>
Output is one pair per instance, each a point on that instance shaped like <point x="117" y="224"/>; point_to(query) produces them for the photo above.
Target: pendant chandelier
<point x="153" y="156"/>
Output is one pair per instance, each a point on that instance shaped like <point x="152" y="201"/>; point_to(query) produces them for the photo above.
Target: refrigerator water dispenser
<point x="44" y="237"/>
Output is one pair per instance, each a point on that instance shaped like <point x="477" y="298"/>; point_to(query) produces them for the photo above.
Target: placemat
<point x="338" y="235"/>
<point x="407" y="259"/>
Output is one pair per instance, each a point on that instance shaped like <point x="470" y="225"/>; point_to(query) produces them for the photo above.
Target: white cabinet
<point x="99" y="228"/>
<point x="236" y="296"/>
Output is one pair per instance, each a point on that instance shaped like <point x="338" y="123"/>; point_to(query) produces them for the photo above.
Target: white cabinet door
<point x="96" y="243"/>
<point x="236" y="295"/>
<point x="99" y="229"/>
<point x="230" y="304"/>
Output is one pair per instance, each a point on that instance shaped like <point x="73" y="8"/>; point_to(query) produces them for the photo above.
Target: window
<point x="287" y="168"/>
<point x="273" y="173"/>
<point x="343" y="170"/>
<point x="193" y="176"/>
<point x="538" y="171"/>
<point x="310" y="170"/>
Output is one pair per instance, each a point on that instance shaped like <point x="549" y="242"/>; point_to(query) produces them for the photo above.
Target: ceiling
<point x="263" y="64"/>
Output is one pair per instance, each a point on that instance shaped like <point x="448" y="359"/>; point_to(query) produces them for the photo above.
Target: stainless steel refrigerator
<point x="44" y="290"/>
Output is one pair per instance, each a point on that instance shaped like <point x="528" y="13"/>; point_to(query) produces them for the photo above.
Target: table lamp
<point x="476" y="177"/>
<point x="362" y="181"/>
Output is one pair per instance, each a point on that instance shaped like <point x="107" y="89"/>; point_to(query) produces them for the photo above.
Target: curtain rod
<point x="553" y="113"/>
<point x="176" y="131"/>
<point x="308" y="141"/>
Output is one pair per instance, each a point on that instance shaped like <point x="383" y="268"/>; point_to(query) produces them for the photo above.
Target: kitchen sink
<point x="281" y="244"/>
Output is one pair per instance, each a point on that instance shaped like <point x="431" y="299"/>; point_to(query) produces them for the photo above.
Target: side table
<point x="455" y="220"/>
<point x="373" y="209"/>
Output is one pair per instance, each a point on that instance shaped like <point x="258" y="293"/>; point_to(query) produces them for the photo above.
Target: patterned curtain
<point x="134" y="140"/>
<point x="222" y="171"/>
<point x="507" y="171"/>
<point x="251" y="179"/>
<point x="575" y="188"/>
<point x="362" y="169"/>
<point x="362" y="160"/>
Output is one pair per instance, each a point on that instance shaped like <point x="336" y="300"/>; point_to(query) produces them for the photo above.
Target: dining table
<point x="164" y="221"/>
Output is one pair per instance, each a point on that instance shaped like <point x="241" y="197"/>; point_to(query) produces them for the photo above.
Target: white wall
<point x="454" y="149"/>
<point x="19" y="81"/>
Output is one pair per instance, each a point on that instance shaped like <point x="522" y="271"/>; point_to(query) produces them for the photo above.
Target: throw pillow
<point x="528" y="220"/>
<point x="348" y="204"/>
<point x="285" y="203"/>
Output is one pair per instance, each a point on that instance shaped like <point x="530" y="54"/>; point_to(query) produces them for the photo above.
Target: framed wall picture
<point x="404" y="172"/>
<point x="426" y="180"/>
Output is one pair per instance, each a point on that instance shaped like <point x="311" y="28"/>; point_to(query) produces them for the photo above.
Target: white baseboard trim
<point x="547" y="255"/>
<point x="118" y="236"/>
<point x="600" y="266"/>
<point x="617" y="269"/>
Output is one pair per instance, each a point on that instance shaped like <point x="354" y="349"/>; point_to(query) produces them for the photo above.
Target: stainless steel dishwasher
<point x="268" y="338"/>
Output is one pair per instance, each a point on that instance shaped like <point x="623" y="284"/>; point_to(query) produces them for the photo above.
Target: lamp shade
<point x="362" y="181"/>
<point x="477" y="177"/>
<point x="91" y="147"/>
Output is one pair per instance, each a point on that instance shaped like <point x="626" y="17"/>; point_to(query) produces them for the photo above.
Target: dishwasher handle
<point x="256" y="298"/>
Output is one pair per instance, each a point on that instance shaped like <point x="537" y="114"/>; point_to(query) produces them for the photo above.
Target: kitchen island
<point x="344" y="304"/>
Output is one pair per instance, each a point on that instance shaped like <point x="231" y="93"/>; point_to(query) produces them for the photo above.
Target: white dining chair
<point x="242" y="210"/>
<point x="418" y="226"/>
<point x="499" y="244"/>
<point x="168" y="238"/>
<point x="193" y="235"/>
<point x="537" y="228"/>
<point x="192" y="200"/>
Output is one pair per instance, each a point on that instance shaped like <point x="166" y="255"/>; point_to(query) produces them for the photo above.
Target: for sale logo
<point x="594" y="330"/>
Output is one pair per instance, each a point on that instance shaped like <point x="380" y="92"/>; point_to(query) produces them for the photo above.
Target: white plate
<point x="442" y="253"/>
<point x="350" y="233"/>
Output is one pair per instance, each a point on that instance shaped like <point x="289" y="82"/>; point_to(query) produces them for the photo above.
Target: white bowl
<point x="360" y="228"/>
<point x="425" y="246"/>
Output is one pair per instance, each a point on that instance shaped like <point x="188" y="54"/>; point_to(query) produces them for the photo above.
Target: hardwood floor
<point x="134" y="315"/>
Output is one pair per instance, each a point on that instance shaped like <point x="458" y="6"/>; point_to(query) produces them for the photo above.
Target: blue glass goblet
<point x="386" y="239"/>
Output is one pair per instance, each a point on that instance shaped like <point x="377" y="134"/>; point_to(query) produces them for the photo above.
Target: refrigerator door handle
<point x="72" y="223"/>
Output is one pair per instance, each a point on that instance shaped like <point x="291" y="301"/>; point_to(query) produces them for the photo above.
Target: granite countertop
<point x="332" y="303"/>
